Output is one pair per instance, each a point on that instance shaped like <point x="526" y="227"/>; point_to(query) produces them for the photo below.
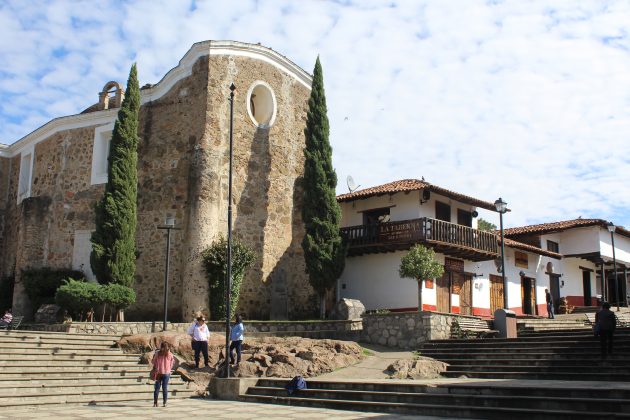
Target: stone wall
<point x="183" y="172"/>
<point x="345" y="330"/>
<point x="406" y="330"/>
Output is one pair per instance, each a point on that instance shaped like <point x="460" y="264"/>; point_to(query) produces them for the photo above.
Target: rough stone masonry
<point x="183" y="172"/>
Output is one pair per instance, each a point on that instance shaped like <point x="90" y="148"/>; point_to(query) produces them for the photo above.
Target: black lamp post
<point x="228" y="282"/>
<point x="169" y="225"/>
<point x="501" y="207"/>
<point x="611" y="229"/>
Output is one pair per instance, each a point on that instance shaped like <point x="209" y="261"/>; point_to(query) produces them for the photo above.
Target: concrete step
<point x="578" y="357"/>
<point x="80" y="388"/>
<point x="40" y="381"/>
<point x="68" y="362"/>
<point x="141" y="371"/>
<point x="92" y="398"/>
<point x="431" y="352"/>
<point x="621" y="363"/>
<point x="59" y="344"/>
<point x="507" y="367"/>
<point x="561" y="376"/>
<point x="33" y="348"/>
<point x="457" y="411"/>
<point x="512" y="401"/>
<point x="70" y="336"/>
<point x="9" y="358"/>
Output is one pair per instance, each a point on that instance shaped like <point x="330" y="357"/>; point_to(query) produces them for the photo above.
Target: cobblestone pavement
<point x="193" y="408"/>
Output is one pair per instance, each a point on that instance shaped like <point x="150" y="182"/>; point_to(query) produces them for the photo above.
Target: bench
<point x="623" y="319"/>
<point x="15" y="323"/>
<point x="471" y="328"/>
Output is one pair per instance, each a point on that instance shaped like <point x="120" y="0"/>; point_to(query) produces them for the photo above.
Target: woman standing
<point x="236" y="335"/>
<point x="163" y="362"/>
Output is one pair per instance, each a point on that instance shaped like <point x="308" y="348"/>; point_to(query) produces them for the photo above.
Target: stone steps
<point x="443" y="400"/>
<point x="570" y="356"/>
<point x="40" y="368"/>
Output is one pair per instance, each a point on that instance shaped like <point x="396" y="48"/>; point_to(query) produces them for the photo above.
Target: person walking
<point x="200" y="334"/>
<point x="163" y="362"/>
<point x="605" y="324"/>
<point x="236" y="336"/>
<point x="549" y="300"/>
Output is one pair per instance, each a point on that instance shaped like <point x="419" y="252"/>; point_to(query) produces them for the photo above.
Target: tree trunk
<point x="322" y="306"/>
<point x="103" y="315"/>
<point x="419" y="295"/>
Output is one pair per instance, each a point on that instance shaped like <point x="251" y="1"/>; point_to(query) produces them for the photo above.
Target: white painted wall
<point x="579" y="240"/>
<point x="622" y="246"/>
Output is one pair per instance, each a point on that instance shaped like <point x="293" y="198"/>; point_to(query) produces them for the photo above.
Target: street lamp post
<point x="501" y="207"/>
<point x="611" y="229"/>
<point x="228" y="281"/>
<point x="169" y="225"/>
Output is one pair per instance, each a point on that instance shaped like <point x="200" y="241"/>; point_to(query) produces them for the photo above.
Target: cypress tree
<point x="113" y="257"/>
<point x="324" y="249"/>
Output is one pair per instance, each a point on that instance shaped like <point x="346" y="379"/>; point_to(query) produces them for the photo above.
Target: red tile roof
<point x="544" y="228"/>
<point x="408" y="185"/>
<point x="526" y="247"/>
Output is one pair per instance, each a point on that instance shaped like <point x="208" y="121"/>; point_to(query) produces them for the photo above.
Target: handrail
<point x="424" y="229"/>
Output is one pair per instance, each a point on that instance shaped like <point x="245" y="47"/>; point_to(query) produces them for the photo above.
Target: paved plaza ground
<point x="194" y="408"/>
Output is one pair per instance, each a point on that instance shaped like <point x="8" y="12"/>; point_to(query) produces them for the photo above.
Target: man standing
<point x="549" y="300"/>
<point x="200" y="335"/>
<point x="605" y="323"/>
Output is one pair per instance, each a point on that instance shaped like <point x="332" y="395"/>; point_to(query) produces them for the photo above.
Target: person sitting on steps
<point x="6" y="320"/>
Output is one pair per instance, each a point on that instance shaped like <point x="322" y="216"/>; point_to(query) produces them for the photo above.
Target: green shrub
<point x="41" y="284"/>
<point x="215" y="263"/>
<point x="118" y="296"/>
<point x="78" y="297"/>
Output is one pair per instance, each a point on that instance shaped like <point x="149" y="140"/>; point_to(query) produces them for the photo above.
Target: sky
<point x="524" y="100"/>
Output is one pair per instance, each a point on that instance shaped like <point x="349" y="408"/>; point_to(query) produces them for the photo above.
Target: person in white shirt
<point x="200" y="334"/>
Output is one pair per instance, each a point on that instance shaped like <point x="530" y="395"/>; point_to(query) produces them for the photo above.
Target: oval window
<point x="261" y="104"/>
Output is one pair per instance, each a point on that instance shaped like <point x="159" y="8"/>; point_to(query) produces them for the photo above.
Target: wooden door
<point x="528" y="295"/>
<point x="586" y="286"/>
<point x="465" y="294"/>
<point x="443" y="293"/>
<point x="554" y="289"/>
<point x="496" y="293"/>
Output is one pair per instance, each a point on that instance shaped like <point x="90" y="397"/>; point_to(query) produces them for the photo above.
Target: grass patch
<point x="366" y="352"/>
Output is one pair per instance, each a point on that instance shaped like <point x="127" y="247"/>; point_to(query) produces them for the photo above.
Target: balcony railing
<point x="446" y="237"/>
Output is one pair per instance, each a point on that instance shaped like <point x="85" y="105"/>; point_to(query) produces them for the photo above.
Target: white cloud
<point x="524" y="100"/>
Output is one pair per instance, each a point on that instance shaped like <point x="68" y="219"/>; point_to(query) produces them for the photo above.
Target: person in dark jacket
<point x="606" y="323"/>
<point x="549" y="300"/>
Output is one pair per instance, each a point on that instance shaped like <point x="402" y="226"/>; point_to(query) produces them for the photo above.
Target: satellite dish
<point x="352" y="186"/>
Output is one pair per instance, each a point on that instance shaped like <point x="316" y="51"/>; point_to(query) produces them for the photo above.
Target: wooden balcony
<point x="444" y="237"/>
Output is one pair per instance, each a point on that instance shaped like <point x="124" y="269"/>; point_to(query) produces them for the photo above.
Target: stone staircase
<point x="41" y="368"/>
<point x="487" y="400"/>
<point x="561" y="323"/>
<point x="547" y="355"/>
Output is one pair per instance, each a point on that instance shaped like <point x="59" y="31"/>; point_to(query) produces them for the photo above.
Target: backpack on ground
<point x="296" y="384"/>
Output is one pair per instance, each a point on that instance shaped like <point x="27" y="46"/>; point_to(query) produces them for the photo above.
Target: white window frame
<point x="100" y="153"/>
<point x="25" y="180"/>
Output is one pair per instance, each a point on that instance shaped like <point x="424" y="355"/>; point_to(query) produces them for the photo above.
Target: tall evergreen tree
<point x="113" y="257"/>
<point x="324" y="249"/>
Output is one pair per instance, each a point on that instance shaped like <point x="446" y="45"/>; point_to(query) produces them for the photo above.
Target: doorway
<point x="443" y="293"/>
<point x="620" y="283"/>
<point x="586" y="286"/>
<point x="554" y="289"/>
<point x="528" y="293"/>
<point x="462" y="285"/>
<point x="496" y="293"/>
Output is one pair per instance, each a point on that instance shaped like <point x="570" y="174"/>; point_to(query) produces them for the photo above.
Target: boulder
<point x="49" y="314"/>
<point x="419" y="368"/>
<point x="348" y="309"/>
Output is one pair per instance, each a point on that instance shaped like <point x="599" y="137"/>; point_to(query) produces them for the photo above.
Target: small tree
<point x="119" y="298"/>
<point x="420" y="264"/>
<point x="113" y="257"/>
<point x="324" y="248"/>
<point x="215" y="262"/>
<point x="77" y="296"/>
<point x="483" y="224"/>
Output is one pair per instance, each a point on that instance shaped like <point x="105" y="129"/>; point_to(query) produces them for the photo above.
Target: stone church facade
<point x="53" y="177"/>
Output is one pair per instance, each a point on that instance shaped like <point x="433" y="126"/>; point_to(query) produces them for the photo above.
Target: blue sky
<point x="527" y="100"/>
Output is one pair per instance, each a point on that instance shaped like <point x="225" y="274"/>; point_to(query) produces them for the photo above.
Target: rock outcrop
<point x="419" y="368"/>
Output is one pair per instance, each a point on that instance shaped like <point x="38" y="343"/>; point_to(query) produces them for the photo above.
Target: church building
<point x="53" y="177"/>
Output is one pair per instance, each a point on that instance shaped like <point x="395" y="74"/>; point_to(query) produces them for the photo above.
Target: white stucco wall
<point x="622" y="247"/>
